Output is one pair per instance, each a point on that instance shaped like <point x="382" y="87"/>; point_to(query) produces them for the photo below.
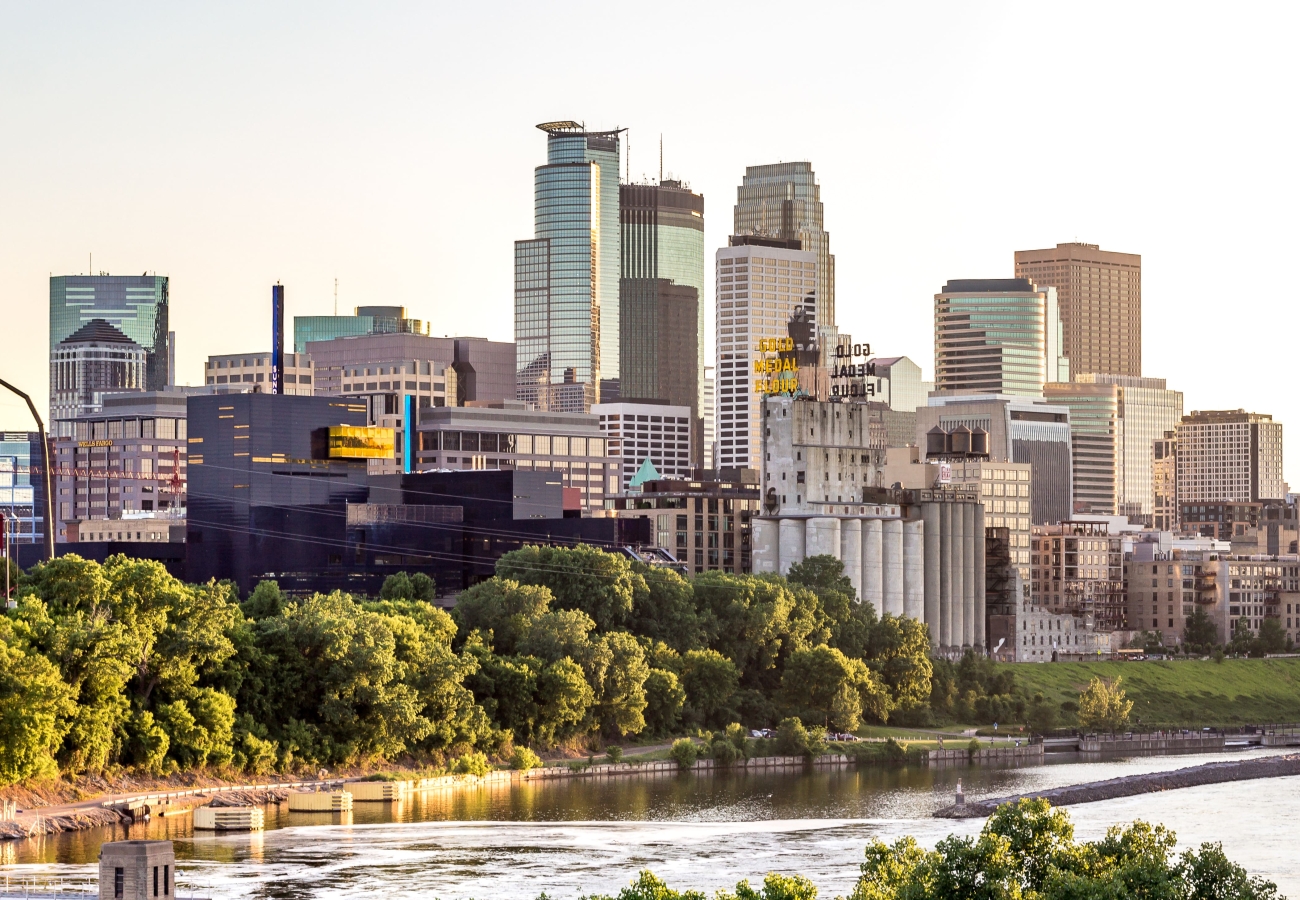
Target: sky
<point x="392" y="147"/>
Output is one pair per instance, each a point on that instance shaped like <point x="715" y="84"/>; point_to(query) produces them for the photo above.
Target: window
<point x="119" y="882"/>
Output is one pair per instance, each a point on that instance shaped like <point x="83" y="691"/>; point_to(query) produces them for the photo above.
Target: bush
<point x="791" y="737"/>
<point x="684" y="752"/>
<point x="524" y="759"/>
<point x="725" y="752"/>
<point x="973" y="747"/>
<point x="614" y="753"/>
<point x="473" y="763"/>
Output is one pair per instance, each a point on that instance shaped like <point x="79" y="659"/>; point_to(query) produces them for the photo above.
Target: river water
<point x="577" y="836"/>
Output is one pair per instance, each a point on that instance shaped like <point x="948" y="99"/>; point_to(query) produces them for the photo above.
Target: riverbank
<point x="1132" y="785"/>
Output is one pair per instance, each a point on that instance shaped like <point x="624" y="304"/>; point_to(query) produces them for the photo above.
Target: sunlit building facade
<point x="567" y="275"/>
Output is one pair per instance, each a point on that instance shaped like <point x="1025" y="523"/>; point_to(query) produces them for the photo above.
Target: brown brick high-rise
<point x="1100" y="297"/>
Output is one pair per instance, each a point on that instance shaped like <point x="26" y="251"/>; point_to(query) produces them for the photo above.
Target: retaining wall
<point x="1027" y="753"/>
<point x="1150" y="743"/>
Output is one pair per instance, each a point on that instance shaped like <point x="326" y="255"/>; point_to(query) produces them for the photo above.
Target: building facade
<point x="639" y="431"/>
<point x="22" y="498"/>
<point x="1164" y="482"/>
<point x="784" y="201"/>
<point x="368" y="320"/>
<point x="661" y="296"/>
<point x="1078" y="569"/>
<point x="252" y="371"/>
<point x="1226" y="456"/>
<point x="996" y="336"/>
<point x="1100" y="297"/>
<point x="567" y="276"/>
<point x="569" y="446"/>
<point x="95" y="360"/>
<point x="760" y="289"/>
<point x="135" y="305"/>
<point x="1096" y="444"/>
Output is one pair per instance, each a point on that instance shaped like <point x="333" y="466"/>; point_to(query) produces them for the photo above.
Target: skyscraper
<point x="567" y="275"/>
<point x="784" y="201"/>
<point x="1228" y="456"/>
<point x="135" y="305"/>
<point x="996" y="336"/>
<point x="95" y="360"/>
<point x="1100" y="295"/>
<point x="368" y="320"/>
<point x="761" y="284"/>
<point x="661" y="319"/>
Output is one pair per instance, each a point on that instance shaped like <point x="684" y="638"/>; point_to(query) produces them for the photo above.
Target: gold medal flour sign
<point x="775" y="375"/>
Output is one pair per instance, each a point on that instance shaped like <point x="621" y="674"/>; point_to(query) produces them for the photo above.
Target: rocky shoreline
<point x="1131" y="785"/>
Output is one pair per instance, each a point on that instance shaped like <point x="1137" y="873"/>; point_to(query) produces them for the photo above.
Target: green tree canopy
<point x="1102" y="706"/>
<point x="823" y="685"/>
<point x="600" y="584"/>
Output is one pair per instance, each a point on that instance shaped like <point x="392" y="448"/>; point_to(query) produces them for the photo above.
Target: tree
<point x="36" y="707"/>
<point x="1199" y="629"/>
<point x="1042" y="715"/>
<point x="402" y="586"/>
<point x="1102" y="706"/>
<point x="822" y="684"/>
<point x="664" y="696"/>
<point x="822" y="573"/>
<point x="710" y="680"/>
<point x="1272" y="638"/>
<point x="620" y="692"/>
<point x="898" y="651"/>
<point x="503" y="607"/>
<point x="665" y="611"/>
<point x="600" y="584"/>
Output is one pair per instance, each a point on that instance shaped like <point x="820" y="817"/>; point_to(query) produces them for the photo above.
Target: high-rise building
<point x="567" y="275"/>
<point x="761" y="284"/>
<point x="897" y="392"/>
<point x="368" y="320"/>
<point x="1100" y="295"/>
<point x="252" y="373"/>
<point x="784" y="201"/>
<point x="95" y="360"/>
<point x="996" y="336"/>
<point x="1228" y="456"/>
<point x="660" y="298"/>
<point x="135" y="305"/>
<point x="22" y="498"/>
<point x="710" y="414"/>
<point x="638" y="431"/>
<point x="1164" y="482"/>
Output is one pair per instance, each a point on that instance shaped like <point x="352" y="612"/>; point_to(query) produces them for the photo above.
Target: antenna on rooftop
<point x="336" y="296"/>
<point x="661" y="157"/>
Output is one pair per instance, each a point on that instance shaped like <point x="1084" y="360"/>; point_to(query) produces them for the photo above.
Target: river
<point x="570" y="837"/>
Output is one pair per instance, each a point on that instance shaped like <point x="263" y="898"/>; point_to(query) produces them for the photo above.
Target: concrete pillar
<point x="892" y="567"/>
<point x="792" y="543"/>
<point x="968" y="575"/>
<point x="766" y="554"/>
<point x="945" y="574"/>
<point x="914" y="569"/>
<point x="873" y="556"/>
<point x="932" y="536"/>
<point x="981" y="610"/>
<point x="958" y="575"/>
<point x="851" y="552"/>
<point x="822" y="537"/>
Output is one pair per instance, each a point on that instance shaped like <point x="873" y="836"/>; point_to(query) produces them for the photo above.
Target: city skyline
<point x="926" y="218"/>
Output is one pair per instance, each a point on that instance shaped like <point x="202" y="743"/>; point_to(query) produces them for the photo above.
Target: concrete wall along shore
<point x="1150" y="743"/>
<point x="1026" y="753"/>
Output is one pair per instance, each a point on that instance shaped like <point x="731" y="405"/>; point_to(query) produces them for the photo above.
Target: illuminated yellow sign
<point x="775" y="345"/>
<point x="777" y="375"/>
<point x="94" y="443"/>
<point x="361" y="442"/>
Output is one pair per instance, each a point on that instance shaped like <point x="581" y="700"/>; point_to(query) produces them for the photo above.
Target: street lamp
<point x="45" y="470"/>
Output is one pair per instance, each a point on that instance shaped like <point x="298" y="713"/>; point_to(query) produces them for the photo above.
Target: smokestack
<point x="277" y="339"/>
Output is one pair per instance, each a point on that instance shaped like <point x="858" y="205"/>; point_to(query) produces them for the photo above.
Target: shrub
<point x="974" y="746"/>
<point x="791" y="737"/>
<point x="614" y="753"/>
<point x="473" y="763"/>
<point x="725" y="752"/>
<point x="684" y="752"/>
<point x="524" y="759"/>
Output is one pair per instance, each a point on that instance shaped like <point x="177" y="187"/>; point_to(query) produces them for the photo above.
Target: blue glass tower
<point x="567" y="276"/>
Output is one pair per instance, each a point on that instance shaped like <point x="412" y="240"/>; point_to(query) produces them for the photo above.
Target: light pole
<point x="45" y="470"/>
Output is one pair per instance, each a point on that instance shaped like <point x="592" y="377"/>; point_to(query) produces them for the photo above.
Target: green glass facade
<point x="995" y="336"/>
<point x="567" y="276"/>
<point x="135" y="305"/>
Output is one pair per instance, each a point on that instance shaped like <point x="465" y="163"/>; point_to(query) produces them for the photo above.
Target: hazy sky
<point x="392" y="147"/>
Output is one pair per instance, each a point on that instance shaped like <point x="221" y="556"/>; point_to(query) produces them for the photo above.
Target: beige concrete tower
<point x="1100" y="298"/>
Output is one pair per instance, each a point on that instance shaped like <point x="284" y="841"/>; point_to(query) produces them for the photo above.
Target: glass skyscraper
<point x="368" y="320"/>
<point x="567" y="276"/>
<point x="661" y="319"/>
<point x="784" y="201"/>
<point x="135" y="305"/>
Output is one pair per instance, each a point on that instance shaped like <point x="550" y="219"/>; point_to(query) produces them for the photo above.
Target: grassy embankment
<point x="1183" y="692"/>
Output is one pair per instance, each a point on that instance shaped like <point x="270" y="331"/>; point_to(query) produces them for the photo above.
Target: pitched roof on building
<point x="97" y="330"/>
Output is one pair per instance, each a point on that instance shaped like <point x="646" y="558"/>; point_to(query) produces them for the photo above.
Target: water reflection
<point x="573" y="836"/>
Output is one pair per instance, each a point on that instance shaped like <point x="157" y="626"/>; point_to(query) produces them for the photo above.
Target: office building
<point x="783" y="201"/>
<point x="1114" y="422"/>
<point x="1164" y="482"/>
<point x="640" y="431"/>
<point x="1100" y="298"/>
<point x="1005" y="430"/>
<point x="1274" y="532"/>
<point x="704" y="523"/>
<point x="22" y="497"/>
<point x="996" y="336"/>
<point x="1228" y="456"/>
<point x="368" y="320"/>
<point x="761" y="286"/>
<point x="897" y="390"/>
<point x="128" y="460"/>
<point x="567" y="276"/>
<point x="569" y="446"/>
<point x="240" y="372"/>
<point x="710" y="416"/>
<point x="1078" y="569"/>
<point x="95" y="360"/>
<point x="661" y="297"/>
<point x="135" y="305"/>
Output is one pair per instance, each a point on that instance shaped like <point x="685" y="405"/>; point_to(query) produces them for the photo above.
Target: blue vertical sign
<point x="277" y="339"/>
<point x="408" y="432"/>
